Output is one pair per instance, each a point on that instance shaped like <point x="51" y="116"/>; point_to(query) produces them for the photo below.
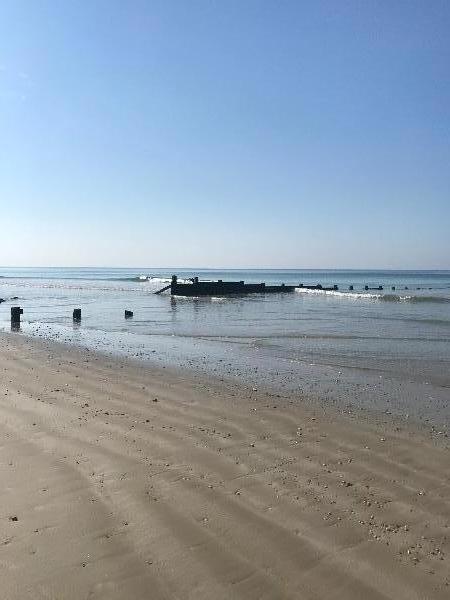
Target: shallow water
<point x="340" y="342"/>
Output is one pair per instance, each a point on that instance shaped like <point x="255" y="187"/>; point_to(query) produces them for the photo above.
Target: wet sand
<point x="125" y="481"/>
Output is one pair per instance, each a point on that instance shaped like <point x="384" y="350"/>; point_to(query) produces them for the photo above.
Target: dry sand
<point x="214" y="491"/>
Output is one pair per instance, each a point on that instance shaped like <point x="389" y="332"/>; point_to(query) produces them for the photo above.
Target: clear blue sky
<point x="225" y="133"/>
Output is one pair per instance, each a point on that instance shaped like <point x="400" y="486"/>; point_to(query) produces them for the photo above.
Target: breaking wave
<point x="149" y="279"/>
<point x="377" y="296"/>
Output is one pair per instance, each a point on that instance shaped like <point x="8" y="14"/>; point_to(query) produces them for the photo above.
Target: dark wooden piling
<point x="16" y="311"/>
<point x="77" y="314"/>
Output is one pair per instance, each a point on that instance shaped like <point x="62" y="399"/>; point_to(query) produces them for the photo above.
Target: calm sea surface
<point x="339" y="343"/>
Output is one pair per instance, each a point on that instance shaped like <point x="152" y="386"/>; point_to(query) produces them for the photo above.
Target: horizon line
<point x="191" y="268"/>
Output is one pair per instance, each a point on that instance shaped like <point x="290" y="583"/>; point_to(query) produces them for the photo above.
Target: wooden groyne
<point x="333" y="288"/>
<point x="194" y="287"/>
<point x="223" y="288"/>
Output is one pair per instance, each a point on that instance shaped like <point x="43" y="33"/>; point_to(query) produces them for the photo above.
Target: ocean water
<point x="386" y="349"/>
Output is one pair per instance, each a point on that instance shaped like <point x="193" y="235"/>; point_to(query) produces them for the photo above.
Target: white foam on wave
<point x="356" y="295"/>
<point x="166" y="280"/>
<point x="386" y="297"/>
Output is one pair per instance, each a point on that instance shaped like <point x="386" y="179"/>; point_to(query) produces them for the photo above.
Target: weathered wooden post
<point x="77" y="315"/>
<point x="16" y="311"/>
<point x="128" y="314"/>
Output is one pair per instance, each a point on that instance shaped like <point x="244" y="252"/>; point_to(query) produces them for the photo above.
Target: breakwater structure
<point x="195" y="287"/>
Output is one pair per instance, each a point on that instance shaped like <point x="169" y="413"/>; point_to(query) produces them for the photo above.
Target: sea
<point x="380" y="349"/>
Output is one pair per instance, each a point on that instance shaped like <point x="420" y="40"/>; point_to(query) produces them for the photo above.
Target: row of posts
<point x="17" y="311"/>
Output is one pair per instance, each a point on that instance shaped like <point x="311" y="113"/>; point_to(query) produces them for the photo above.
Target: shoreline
<point x="215" y="490"/>
<point x="357" y="387"/>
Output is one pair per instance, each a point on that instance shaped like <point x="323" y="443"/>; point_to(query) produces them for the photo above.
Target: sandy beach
<point x="124" y="481"/>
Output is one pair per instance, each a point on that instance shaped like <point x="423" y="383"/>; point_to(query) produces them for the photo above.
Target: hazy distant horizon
<point x="221" y="268"/>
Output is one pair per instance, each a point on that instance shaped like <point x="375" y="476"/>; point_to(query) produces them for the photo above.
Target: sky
<point x="233" y="133"/>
